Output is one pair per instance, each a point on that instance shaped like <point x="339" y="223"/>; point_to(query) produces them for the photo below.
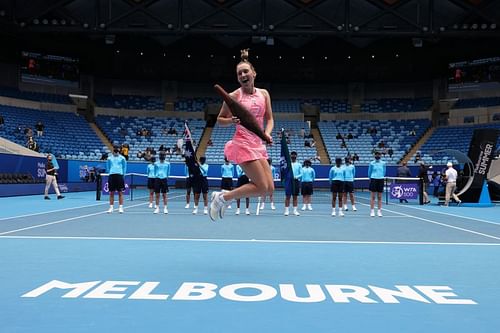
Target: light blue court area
<point x="67" y="266"/>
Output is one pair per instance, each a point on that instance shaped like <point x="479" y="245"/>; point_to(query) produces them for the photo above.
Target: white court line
<point x="449" y="214"/>
<point x="73" y="218"/>
<point x="63" y="220"/>
<point x="217" y="240"/>
<point x="438" y="223"/>
<point x="438" y="212"/>
<point x="51" y="211"/>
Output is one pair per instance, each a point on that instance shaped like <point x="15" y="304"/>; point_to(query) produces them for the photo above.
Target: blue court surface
<point x="68" y="266"/>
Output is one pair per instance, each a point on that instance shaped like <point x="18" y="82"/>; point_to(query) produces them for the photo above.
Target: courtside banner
<point x="481" y="150"/>
<point x="407" y="191"/>
<point x="105" y="185"/>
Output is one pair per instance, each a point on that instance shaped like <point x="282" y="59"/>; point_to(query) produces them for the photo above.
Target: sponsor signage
<point x="404" y="191"/>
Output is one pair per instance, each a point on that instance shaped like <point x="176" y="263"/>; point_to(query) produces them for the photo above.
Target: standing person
<point x="242" y="180"/>
<point x="337" y="177"/>
<point x="349" y="175"/>
<point x="51" y="178"/>
<point x="246" y="148"/>
<point x="151" y="181"/>
<point x="39" y="128"/>
<point x="403" y="171"/>
<point x="162" y="172"/>
<point x="451" y="184"/>
<point x="376" y="173"/>
<point x="307" y="187"/>
<point x="271" y="196"/>
<point x="189" y="186"/>
<point x="116" y="166"/>
<point x="297" y="176"/>
<point x="200" y="185"/>
<point x="227" y="174"/>
<point x="423" y="174"/>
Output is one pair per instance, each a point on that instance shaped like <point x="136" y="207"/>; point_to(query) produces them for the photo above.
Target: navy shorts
<point x="337" y="186"/>
<point x="226" y="183"/>
<point x="200" y="185"/>
<point x="348" y="187"/>
<point x="242" y="180"/>
<point x="161" y="185"/>
<point x="307" y="188"/>
<point x="151" y="183"/>
<point x="116" y="182"/>
<point x="376" y="185"/>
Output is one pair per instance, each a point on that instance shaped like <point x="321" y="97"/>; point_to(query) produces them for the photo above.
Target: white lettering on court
<point x="253" y="292"/>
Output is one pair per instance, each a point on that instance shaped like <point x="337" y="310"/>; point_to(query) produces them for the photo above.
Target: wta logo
<point x="250" y="292"/>
<point x="404" y="191"/>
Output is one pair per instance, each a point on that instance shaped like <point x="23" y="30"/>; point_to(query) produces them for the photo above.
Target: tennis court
<point x="67" y="266"/>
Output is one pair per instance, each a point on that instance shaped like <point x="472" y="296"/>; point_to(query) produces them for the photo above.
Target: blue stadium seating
<point x="34" y="96"/>
<point x="329" y="105"/>
<point x="452" y="137"/>
<point x="396" y="105"/>
<point x="126" y="130"/>
<point x="130" y="102"/>
<point x="395" y="134"/>
<point x="65" y="134"/>
<point x="470" y="103"/>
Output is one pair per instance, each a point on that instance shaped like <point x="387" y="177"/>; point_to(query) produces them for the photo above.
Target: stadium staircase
<point x="416" y="147"/>
<point x="320" y="146"/>
<point x="101" y="135"/>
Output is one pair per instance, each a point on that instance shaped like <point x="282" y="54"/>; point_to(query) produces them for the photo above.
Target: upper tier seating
<point x="470" y="103"/>
<point x="396" y="105"/>
<point x="130" y="102"/>
<point x="35" y="96"/>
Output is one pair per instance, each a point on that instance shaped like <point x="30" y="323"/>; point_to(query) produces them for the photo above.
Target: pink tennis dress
<point x="245" y="145"/>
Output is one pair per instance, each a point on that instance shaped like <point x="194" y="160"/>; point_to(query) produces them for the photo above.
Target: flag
<point x="190" y="155"/>
<point x="286" y="170"/>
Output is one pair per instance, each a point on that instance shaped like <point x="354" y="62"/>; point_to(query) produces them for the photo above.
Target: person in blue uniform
<point x="116" y="166"/>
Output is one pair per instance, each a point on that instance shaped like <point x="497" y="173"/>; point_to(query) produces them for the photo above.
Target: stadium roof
<point x="294" y="22"/>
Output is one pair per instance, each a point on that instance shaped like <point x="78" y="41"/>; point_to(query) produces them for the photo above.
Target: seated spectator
<point x="39" y="128"/>
<point x="417" y="157"/>
<point x="31" y="144"/>
<point x="125" y="149"/>
<point x="390" y="152"/>
<point x="350" y="136"/>
<point x="172" y="131"/>
<point x="316" y="158"/>
<point x="355" y="157"/>
<point x="313" y="143"/>
<point x="28" y="132"/>
<point x="343" y="145"/>
<point x="210" y="142"/>
<point x="307" y="143"/>
<point x="381" y="144"/>
<point x="339" y="136"/>
<point x="412" y="133"/>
